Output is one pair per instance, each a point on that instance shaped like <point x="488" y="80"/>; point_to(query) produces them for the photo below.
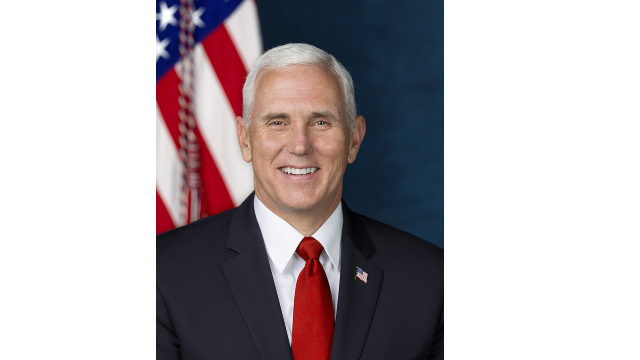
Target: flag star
<point x="196" y="17"/>
<point x="166" y="15"/>
<point x="161" y="48"/>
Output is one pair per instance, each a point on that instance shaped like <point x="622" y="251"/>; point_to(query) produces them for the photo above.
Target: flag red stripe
<point x="163" y="220"/>
<point x="227" y="64"/>
<point x="167" y="94"/>
<point x="216" y="197"/>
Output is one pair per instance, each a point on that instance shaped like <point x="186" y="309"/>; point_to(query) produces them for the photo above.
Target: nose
<point x="299" y="141"/>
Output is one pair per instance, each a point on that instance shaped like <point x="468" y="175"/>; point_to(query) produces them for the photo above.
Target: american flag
<point x="360" y="274"/>
<point x="197" y="100"/>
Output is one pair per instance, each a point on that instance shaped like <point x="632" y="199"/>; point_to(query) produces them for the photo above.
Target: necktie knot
<point x="309" y="248"/>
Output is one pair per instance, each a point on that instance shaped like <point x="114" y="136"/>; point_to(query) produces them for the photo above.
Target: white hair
<point x="299" y="54"/>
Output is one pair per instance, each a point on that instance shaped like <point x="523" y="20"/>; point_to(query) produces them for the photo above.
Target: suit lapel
<point x="251" y="282"/>
<point x="357" y="299"/>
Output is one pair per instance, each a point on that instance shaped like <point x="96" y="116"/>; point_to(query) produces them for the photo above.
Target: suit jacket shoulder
<point x="205" y="235"/>
<point x="398" y="246"/>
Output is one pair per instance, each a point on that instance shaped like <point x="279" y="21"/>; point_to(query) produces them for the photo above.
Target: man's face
<point x="299" y="139"/>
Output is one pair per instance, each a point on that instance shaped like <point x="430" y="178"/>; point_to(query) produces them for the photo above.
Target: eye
<point x="321" y="122"/>
<point x="277" y="123"/>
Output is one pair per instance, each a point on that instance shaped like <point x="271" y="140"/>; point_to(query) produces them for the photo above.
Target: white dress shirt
<point x="281" y="240"/>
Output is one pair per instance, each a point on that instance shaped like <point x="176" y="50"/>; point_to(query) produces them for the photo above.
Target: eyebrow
<point x="271" y="116"/>
<point x="324" y="114"/>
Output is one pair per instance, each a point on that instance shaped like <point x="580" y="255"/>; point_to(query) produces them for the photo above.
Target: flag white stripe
<point x="216" y="121"/>
<point x="243" y="27"/>
<point x="168" y="169"/>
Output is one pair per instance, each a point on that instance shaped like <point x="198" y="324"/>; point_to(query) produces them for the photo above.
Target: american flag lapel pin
<point x="361" y="274"/>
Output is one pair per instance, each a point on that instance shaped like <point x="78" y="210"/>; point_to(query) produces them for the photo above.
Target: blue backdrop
<point x="394" y="51"/>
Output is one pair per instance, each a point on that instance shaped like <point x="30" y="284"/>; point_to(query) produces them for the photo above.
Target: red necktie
<point x="312" y="307"/>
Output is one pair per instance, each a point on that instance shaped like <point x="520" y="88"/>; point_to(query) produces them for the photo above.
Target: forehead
<point x="296" y="81"/>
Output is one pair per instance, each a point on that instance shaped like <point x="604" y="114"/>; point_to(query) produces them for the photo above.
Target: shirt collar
<point x="281" y="239"/>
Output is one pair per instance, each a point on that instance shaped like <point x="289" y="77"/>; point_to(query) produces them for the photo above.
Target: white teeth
<point x="294" y="171"/>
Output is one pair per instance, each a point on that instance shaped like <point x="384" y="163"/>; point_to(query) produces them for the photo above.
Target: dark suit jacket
<point x="216" y="298"/>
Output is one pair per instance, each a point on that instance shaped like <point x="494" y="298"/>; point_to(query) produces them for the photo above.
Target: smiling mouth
<point x="294" y="171"/>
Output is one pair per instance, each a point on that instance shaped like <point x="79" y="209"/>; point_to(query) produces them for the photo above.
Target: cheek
<point x="338" y="146"/>
<point x="334" y="153"/>
<point x="264" y="144"/>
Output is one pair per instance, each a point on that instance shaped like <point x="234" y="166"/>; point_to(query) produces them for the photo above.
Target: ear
<point x="243" y="139"/>
<point x="356" y="138"/>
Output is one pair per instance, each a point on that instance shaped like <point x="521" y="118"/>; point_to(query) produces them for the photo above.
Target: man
<point x="292" y="273"/>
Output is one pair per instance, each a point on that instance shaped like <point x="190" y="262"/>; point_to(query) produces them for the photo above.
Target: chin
<point x="301" y="200"/>
<point x="300" y="204"/>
